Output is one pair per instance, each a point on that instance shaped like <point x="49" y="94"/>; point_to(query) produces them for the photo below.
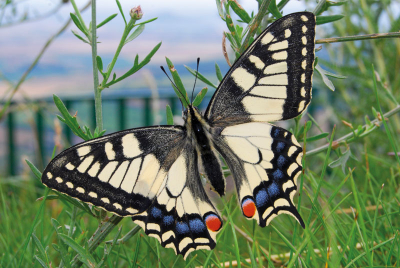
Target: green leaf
<point x="218" y="72"/>
<point x="325" y="78"/>
<point x="316" y="137"/>
<point x="240" y="12"/>
<point x="145" y="22"/>
<point x="69" y="120"/>
<point x="77" y="22"/>
<point x="135" y="34"/>
<point x="34" y="169"/>
<point x="40" y="261"/>
<point x="341" y="161"/>
<point x="41" y="249"/>
<point x="178" y="83"/>
<point x="220" y="9"/>
<point x="120" y="10"/>
<point x="170" y="116"/>
<point x="199" y="98"/>
<point x="200" y="76"/>
<point x="86" y="258"/>
<point x="83" y="39"/>
<point x="328" y="19"/>
<point x="235" y="40"/>
<point x="99" y="62"/>
<point x="274" y="10"/>
<point x="107" y="20"/>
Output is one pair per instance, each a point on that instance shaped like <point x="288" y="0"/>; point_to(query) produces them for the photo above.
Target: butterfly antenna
<point x="197" y="71"/>
<point x="183" y="97"/>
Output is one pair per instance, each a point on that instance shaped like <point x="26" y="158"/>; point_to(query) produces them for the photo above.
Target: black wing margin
<point x="272" y="79"/>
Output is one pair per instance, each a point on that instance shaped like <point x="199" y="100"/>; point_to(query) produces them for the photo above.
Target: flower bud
<point x="136" y="13"/>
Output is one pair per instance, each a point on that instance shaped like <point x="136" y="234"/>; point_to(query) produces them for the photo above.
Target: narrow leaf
<point x="34" y="169"/>
<point x="238" y="9"/>
<point x="40" y="247"/>
<point x="170" y="115"/>
<point x="199" y="98"/>
<point x="77" y="22"/>
<point x="178" y="82"/>
<point x="83" y="39"/>
<point x="328" y="19"/>
<point x="86" y="258"/>
<point x="107" y="20"/>
<point x="99" y="62"/>
<point x="325" y="79"/>
<point x="274" y="9"/>
<point x="135" y="34"/>
<point x="200" y="77"/>
<point x="218" y="72"/>
<point x="120" y="10"/>
<point x="40" y="261"/>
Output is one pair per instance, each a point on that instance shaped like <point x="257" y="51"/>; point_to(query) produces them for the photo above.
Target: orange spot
<point x="213" y="222"/>
<point x="249" y="208"/>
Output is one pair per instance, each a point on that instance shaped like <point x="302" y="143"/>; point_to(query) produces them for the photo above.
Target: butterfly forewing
<point x="272" y="79"/>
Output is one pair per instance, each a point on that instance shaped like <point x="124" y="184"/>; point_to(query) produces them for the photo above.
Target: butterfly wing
<point x="148" y="173"/>
<point x="265" y="162"/>
<point x="272" y="79"/>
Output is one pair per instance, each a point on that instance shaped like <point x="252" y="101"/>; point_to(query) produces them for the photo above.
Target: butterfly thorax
<point x="198" y="132"/>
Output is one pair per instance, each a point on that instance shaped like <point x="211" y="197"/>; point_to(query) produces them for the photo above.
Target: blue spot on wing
<point x="278" y="174"/>
<point x="276" y="132"/>
<point x="273" y="189"/>
<point x="156" y="212"/>
<point x="197" y="225"/>
<point x="182" y="227"/>
<point x="281" y="161"/>
<point x="261" y="198"/>
<point x="280" y="146"/>
<point x="168" y="220"/>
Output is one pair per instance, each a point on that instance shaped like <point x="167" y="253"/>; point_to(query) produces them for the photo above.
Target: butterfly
<point x="152" y="173"/>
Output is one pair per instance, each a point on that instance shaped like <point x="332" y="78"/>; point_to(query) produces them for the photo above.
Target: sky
<point x="187" y="29"/>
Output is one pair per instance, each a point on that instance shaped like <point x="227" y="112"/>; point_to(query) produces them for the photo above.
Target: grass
<point x="349" y="192"/>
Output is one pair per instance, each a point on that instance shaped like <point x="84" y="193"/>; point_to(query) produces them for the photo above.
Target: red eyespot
<point x="213" y="222"/>
<point x="249" y="208"/>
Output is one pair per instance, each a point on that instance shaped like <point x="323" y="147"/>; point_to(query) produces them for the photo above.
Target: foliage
<point x="348" y="194"/>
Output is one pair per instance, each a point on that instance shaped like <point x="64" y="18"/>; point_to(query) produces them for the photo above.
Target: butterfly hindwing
<point x="182" y="217"/>
<point x="265" y="161"/>
<point x="121" y="172"/>
<point x="272" y="79"/>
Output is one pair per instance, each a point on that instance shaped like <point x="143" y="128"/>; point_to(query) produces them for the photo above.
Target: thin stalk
<point x="319" y="6"/>
<point x="357" y="37"/>
<point x="78" y="14"/>
<point x="257" y="21"/>
<point x="97" y="91"/>
<point x="34" y="63"/>
<point x="127" y="29"/>
<point x="376" y="122"/>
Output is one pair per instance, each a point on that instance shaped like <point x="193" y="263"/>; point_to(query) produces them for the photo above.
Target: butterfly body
<point x="152" y="173"/>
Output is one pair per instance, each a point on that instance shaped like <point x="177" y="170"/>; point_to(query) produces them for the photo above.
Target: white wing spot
<point x="117" y="206"/>
<point x="107" y="171"/>
<point x="190" y="250"/>
<point x="304" y="29"/>
<point x="288" y="33"/>
<point x="105" y="200"/>
<point x="267" y="212"/>
<point x="292" y="194"/>
<point x="267" y="39"/>
<point x="131" y="176"/>
<point x="301" y="105"/>
<point x="85" y="164"/>
<point x="279" y="45"/>
<point x="304" y="52"/>
<point x="118" y="176"/>
<point x="171" y="204"/>
<point x="153" y="226"/>
<point x="287" y="185"/>
<point x="69" y="166"/>
<point x="49" y="175"/>
<point x="280" y="55"/>
<point x="109" y="151"/>
<point x="256" y="105"/>
<point x="82" y="151"/>
<point x="304" y="40"/>
<point x="171" y="245"/>
<point x="303" y="92"/>
<point x="59" y="180"/>
<point x="177" y="176"/>
<point x="278" y="79"/>
<point x="93" y="194"/>
<point x="80" y="190"/>
<point x="132" y="210"/>
<point x="281" y="202"/>
<point x="270" y="91"/>
<point x="184" y="242"/>
<point x="304" y="64"/>
<point x="280" y="67"/>
<point x="257" y="62"/>
<point x="304" y="18"/>
<point x="292" y="168"/>
<point x="130" y="146"/>
<point x="167" y="235"/>
<point x="292" y="150"/>
<point x="201" y="240"/>
<point x="94" y="169"/>
<point x="243" y="78"/>
<point x="303" y="78"/>
<point x="70" y="185"/>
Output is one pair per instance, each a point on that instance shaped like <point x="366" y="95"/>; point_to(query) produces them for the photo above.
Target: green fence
<point x="42" y="110"/>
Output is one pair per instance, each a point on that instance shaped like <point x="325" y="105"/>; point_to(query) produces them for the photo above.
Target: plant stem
<point x="357" y="37"/>
<point x="35" y="62"/>
<point x="99" y="235"/>
<point x="97" y="91"/>
<point x="78" y="14"/>
<point x="127" y="29"/>
<point x="351" y="135"/>
<point x="257" y="21"/>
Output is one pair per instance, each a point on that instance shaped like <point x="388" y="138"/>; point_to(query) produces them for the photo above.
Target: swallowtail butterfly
<point x="152" y="173"/>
